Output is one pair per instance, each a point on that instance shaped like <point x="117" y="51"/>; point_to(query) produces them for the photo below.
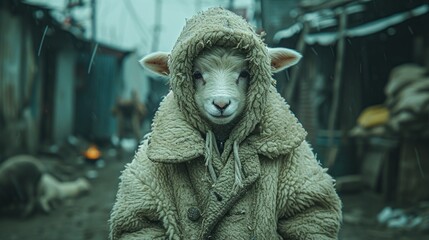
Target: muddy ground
<point x="77" y="219"/>
<point x="85" y="218"/>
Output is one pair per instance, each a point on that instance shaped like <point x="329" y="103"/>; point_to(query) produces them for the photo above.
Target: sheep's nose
<point x="221" y="104"/>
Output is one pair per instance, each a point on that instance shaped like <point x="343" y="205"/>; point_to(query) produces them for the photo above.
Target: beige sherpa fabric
<point x="167" y="192"/>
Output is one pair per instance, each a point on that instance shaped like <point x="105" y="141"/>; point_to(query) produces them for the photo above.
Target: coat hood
<point x="179" y="133"/>
<point x="220" y="27"/>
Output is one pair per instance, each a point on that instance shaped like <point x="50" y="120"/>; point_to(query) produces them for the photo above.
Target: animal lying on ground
<point x="26" y="185"/>
<point x="226" y="159"/>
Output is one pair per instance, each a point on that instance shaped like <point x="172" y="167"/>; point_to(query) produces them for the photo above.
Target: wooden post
<point x="289" y="91"/>
<point x="337" y="87"/>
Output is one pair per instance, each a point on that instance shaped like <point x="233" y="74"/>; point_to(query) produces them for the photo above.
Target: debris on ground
<point x="414" y="218"/>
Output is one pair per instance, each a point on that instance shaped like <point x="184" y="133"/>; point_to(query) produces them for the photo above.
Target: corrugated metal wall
<point x="18" y="115"/>
<point x="96" y="96"/>
<point x="63" y="106"/>
<point x="11" y="48"/>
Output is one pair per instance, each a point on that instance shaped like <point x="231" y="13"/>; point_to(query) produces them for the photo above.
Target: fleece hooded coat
<point x="266" y="184"/>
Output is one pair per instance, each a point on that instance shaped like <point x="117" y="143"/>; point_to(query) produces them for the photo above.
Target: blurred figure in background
<point x="130" y="115"/>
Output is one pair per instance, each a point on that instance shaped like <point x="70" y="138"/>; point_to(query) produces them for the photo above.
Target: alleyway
<point x="361" y="91"/>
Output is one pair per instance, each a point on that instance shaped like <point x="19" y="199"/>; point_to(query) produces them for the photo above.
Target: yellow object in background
<point x="373" y="116"/>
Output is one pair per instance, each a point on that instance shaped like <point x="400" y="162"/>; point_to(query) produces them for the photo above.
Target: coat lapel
<point x="173" y="139"/>
<point x="222" y="196"/>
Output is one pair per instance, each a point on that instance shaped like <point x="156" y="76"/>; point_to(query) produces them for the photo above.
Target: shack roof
<point x="55" y="22"/>
<point x="324" y="24"/>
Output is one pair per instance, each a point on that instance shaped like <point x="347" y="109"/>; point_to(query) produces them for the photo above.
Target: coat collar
<point x="279" y="131"/>
<point x="174" y="140"/>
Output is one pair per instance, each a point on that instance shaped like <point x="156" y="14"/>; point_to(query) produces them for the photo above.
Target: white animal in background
<point x="26" y="185"/>
<point x="51" y="189"/>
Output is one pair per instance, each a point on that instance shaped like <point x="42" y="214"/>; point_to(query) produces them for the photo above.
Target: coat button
<point x="194" y="213"/>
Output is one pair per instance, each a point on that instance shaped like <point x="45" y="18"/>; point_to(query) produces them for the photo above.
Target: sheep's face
<point x="221" y="78"/>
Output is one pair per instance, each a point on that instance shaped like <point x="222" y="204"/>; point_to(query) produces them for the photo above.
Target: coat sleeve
<point x="134" y="214"/>
<point x="310" y="208"/>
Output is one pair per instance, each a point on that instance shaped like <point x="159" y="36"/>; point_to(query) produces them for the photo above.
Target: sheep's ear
<point x="282" y="58"/>
<point x="156" y="62"/>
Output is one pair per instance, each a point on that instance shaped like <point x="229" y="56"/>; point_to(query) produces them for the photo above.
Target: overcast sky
<point x="129" y="24"/>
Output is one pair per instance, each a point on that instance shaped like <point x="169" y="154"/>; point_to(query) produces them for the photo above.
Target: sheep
<point x="225" y="155"/>
<point x="26" y="185"/>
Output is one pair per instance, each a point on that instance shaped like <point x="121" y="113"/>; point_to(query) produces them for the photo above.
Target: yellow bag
<point x="373" y="116"/>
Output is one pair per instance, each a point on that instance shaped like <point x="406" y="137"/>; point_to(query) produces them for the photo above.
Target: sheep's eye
<point x="197" y="75"/>
<point x="244" y="74"/>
